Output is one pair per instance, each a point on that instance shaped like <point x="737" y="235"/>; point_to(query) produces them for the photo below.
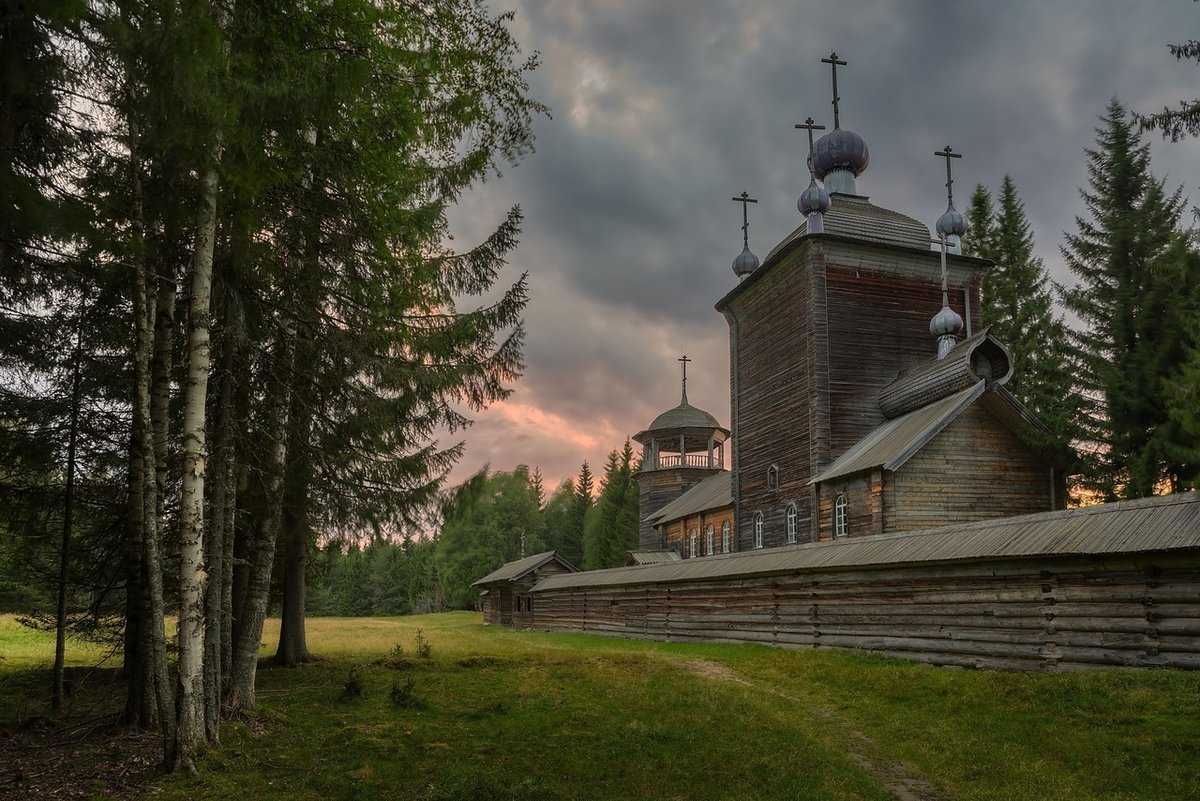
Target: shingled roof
<point x="892" y="444"/>
<point x="1169" y="523"/>
<point x="711" y="493"/>
<point x="511" y="571"/>
<point x="856" y="217"/>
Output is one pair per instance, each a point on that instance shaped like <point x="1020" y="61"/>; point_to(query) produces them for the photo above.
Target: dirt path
<point x="903" y="783"/>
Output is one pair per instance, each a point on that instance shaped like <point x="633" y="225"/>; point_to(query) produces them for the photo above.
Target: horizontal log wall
<point x="1025" y="615"/>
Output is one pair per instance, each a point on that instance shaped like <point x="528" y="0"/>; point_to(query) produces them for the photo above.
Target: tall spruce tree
<point x="1019" y="307"/>
<point x="1130" y="224"/>
<point x="612" y="525"/>
<point x="981" y="224"/>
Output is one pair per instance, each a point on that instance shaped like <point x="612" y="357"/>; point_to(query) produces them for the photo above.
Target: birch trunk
<point x="144" y="486"/>
<point x="262" y="554"/>
<point x="192" y="574"/>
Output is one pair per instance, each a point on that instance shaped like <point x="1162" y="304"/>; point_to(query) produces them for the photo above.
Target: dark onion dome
<point x="813" y="199"/>
<point x="745" y="263"/>
<point x="840" y="150"/>
<point x="946" y="323"/>
<point x="951" y="223"/>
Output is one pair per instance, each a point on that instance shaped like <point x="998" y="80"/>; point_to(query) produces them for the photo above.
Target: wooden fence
<point x="1033" y="614"/>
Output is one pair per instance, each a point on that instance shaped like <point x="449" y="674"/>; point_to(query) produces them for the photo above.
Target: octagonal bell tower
<point x="681" y="448"/>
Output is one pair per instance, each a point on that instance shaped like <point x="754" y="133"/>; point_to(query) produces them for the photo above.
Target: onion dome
<point x="946" y="322"/>
<point x="952" y="223"/>
<point x="840" y="150"/>
<point x="745" y="263"/>
<point x="813" y="199"/>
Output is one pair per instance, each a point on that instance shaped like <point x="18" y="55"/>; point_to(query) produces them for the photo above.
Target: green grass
<point x="533" y="715"/>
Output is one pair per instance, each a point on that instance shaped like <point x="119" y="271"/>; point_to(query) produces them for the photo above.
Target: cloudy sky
<point x="662" y="111"/>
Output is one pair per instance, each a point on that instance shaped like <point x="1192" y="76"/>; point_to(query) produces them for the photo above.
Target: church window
<point x="772" y="478"/>
<point x="692" y="544"/>
<point x="791" y="522"/>
<point x="839" y="516"/>
<point x="758" y="530"/>
<point x="725" y="537"/>
<point x="708" y="540"/>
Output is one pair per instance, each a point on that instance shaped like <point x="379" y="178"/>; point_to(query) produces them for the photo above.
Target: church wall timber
<point x="657" y="488"/>
<point x="679" y="532"/>
<point x="864" y="505"/>
<point x="772" y="399"/>
<point x="878" y="326"/>
<point x="975" y="469"/>
<point x="1115" y="610"/>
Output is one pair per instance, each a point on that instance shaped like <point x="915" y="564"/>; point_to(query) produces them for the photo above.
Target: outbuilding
<point x="506" y="596"/>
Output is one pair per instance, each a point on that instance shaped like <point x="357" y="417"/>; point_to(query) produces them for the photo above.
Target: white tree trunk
<point x="190" y="733"/>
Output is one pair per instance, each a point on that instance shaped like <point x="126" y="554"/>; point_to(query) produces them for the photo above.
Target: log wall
<point x="1049" y="614"/>
<point x="975" y="469"/>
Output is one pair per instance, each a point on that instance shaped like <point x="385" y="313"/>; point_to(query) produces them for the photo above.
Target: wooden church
<point x="875" y="460"/>
<point x="865" y="395"/>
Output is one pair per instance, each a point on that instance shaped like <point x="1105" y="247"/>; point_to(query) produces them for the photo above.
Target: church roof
<point x="856" y="217"/>
<point x="1148" y="525"/>
<point x="711" y="493"/>
<point x="892" y="444"/>
<point x="684" y="415"/>
<point x="511" y="571"/>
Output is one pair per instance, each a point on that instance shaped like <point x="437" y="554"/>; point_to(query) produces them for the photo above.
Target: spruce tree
<point x="612" y="526"/>
<point x="1019" y="308"/>
<point x="981" y="221"/>
<point x="1130" y="224"/>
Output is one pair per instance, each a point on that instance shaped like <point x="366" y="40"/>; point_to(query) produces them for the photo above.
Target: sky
<point x="663" y="110"/>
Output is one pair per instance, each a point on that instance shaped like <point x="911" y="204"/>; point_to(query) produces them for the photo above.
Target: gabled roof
<point x="511" y="571"/>
<point x="1148" y="525"/>
<point x="892" y="444"/>
<point x="651" y="557"/>
<point x="711" y="493"/>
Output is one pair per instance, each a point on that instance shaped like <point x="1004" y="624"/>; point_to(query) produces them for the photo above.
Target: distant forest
<point x="492" y="518"/>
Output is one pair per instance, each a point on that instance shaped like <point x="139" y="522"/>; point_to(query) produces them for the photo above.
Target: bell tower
<point x="681" y="448"/>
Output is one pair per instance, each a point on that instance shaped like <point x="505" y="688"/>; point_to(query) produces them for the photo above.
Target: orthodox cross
<point x="834" y="62"/>
<point x="683" y="360"/>
<point x="745" y="200"/>
<point x="811" y="125"/>
<point x="948" y="154"/>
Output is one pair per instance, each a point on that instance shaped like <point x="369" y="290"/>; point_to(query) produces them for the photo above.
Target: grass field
<point x="495" y="713"/>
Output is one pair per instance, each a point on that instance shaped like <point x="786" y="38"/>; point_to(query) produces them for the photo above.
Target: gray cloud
<point x="664" y="110"/>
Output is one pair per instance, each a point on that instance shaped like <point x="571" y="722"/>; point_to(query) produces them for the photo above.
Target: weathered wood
<point x="1059" y="614"/>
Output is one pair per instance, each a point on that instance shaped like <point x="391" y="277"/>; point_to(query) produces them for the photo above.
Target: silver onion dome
<point x="813" y="199"/>
<point x="840" y="150"/>
<point x="946" y="322"/>
<point x="745" y="263"/>
<point x="951" y="223"/>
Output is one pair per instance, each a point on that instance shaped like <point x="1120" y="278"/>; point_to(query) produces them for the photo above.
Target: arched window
<point x="758" y="530"/>
<point x="725" y="537"/>
<point x="708" y="541"/>
<point x="692" y="543"/>
<point x="791" y="522"/>
<point x="772" y="478"/>
<point x="839" y="515"/>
